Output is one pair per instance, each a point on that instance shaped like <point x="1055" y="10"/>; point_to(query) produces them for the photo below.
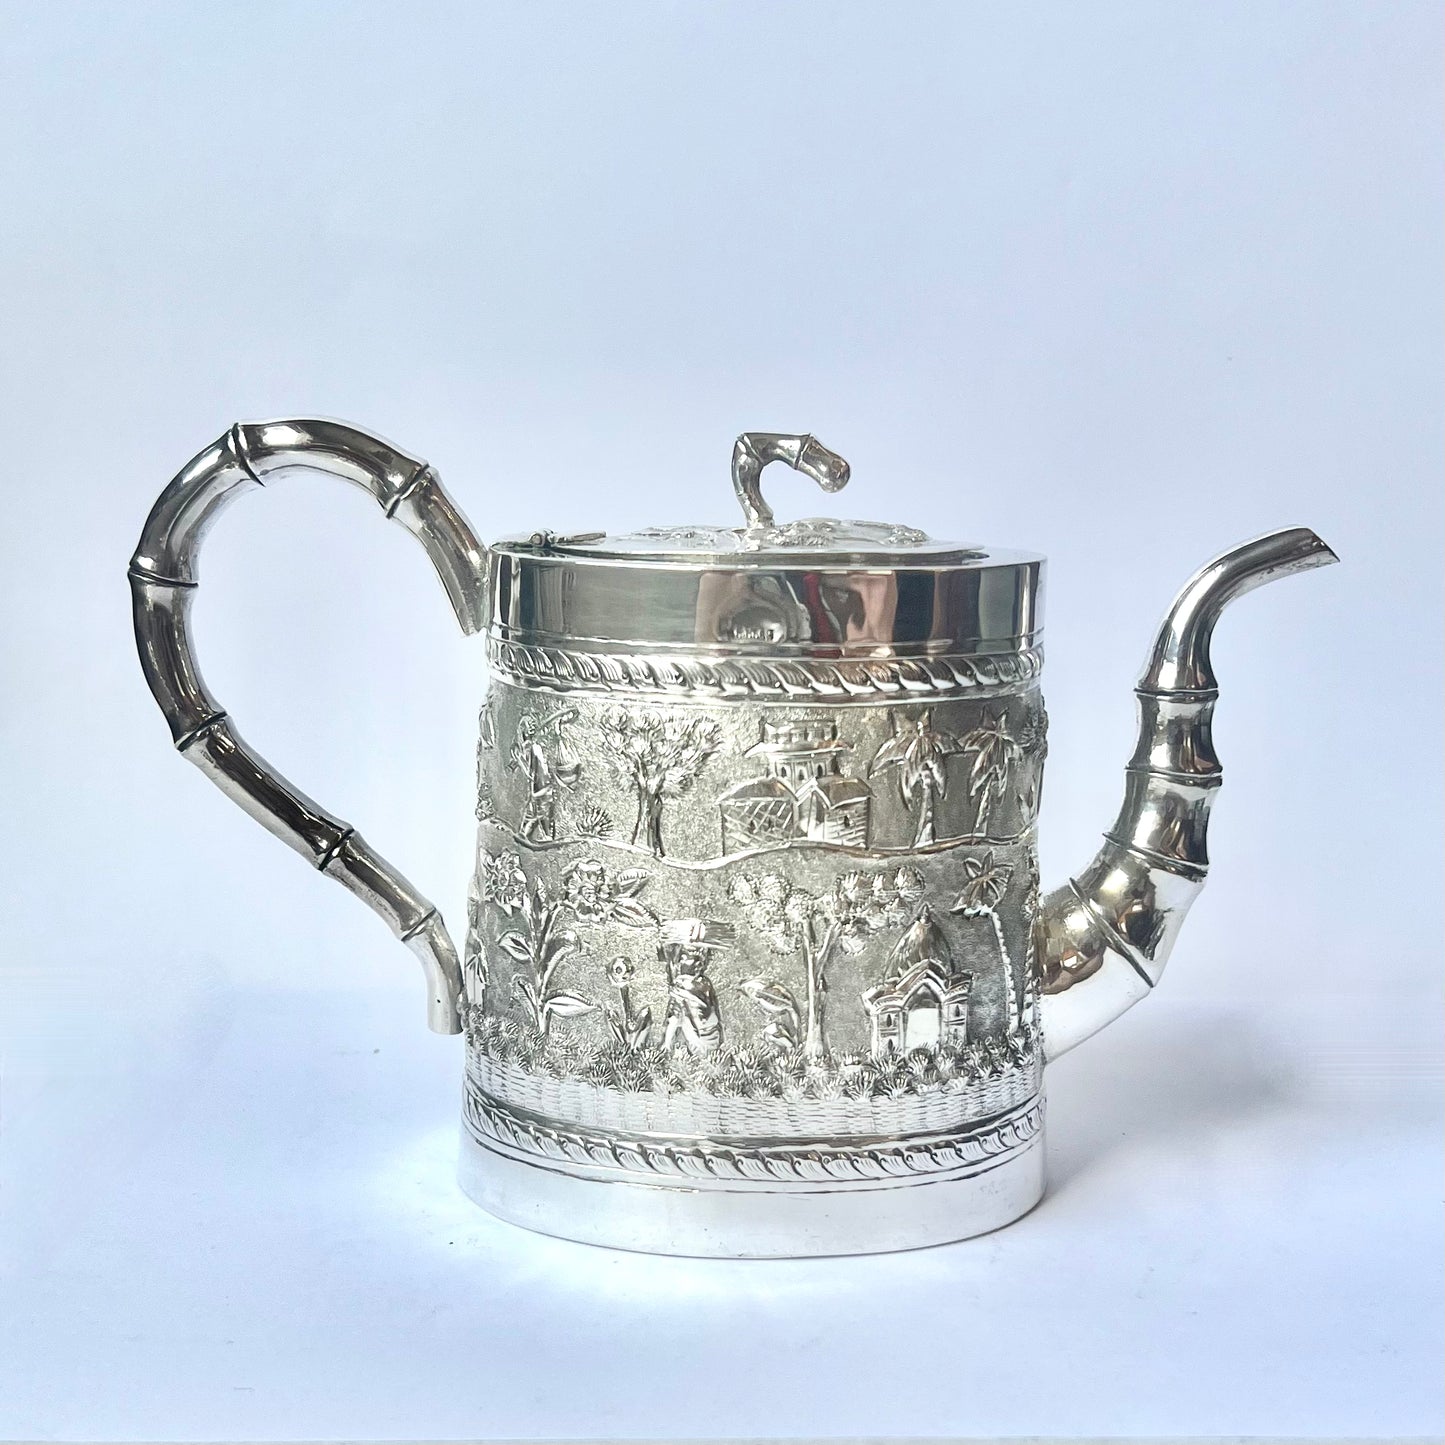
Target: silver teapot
<point x="757" y="961"/>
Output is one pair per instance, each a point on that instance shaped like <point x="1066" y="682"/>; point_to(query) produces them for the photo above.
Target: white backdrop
<point x="1122" y="283"/>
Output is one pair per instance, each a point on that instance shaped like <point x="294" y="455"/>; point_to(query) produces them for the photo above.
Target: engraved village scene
<point x="766" y="919"/>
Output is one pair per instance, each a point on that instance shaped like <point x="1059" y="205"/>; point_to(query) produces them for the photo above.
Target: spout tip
<point x="1180" y="658"/>
<point x="1296" y="549"/>
<point x="1325" y="554"/>
<point x="1280" y="554"/>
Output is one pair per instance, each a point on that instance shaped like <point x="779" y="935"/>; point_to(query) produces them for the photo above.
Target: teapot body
<point x="752" y="952"/>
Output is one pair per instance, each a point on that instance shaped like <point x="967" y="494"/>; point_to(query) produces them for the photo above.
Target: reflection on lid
<point x="813" y="536"/>
<point x="762" y="608"/>
<point x="828" y="532"/>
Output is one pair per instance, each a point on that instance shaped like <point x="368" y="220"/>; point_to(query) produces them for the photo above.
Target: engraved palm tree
<point x="985" y="882"/>
<point x="994" y="752"/>
<point x="660" y="755"/>
<point x="920" y="752"/>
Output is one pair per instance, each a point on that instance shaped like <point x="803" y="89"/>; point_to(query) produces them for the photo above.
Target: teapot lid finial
<point x="754" y="450"/>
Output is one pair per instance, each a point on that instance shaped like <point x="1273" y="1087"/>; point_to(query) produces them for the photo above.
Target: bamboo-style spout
<point x="1108" y="932"/>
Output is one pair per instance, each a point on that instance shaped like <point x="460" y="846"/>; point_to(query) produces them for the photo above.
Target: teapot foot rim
<point x="782" y="1223"/>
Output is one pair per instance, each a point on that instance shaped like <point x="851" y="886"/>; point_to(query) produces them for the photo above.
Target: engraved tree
<point x="920" y="752"/>
<point x="985" y="882"/>
<point x="659" y="755"/>
<point x="819" y="926"/>
<point x="994" y="753"/>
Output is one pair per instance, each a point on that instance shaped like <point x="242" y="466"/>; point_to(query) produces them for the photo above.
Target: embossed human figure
<point x="692" y="1007"/>
<point x="544" y="777"/>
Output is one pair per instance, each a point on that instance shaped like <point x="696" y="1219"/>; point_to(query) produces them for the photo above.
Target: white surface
<point x="1123" y="283"/>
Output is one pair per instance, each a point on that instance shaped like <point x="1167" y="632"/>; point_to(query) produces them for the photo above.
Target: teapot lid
<point x="815" y="587"/>
<point x="819" y="540"/>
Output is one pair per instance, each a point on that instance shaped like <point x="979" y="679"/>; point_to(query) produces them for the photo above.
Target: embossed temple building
<point x="923" y="999"/>
<point x="803" y="795"/>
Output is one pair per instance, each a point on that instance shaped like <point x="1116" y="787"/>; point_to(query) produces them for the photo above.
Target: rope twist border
<point x="490" y="1123"/>
<point x="831" y="679"/>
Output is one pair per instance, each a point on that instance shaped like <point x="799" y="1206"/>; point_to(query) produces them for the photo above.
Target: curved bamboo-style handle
<point x="163" y="584"/>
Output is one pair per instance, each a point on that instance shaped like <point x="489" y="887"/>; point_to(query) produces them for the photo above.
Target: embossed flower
<point x="620" y="972"/>
<point x="1034" y="731"/>
<point x="808" y="532"/>
<point x="585" y="888"/>
<point x="501" y="882"/>
<point x="597" y="897"/>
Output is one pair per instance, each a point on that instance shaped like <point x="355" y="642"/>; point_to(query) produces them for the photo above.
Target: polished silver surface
<point x="1108" y="932"/>
<point x="776" y="607"/>
<point x="163" y="580"/>
<point x="756" y="959"/>
<point x="863" y="593"/>
<point x="755" y="450"/>
<point x="811" y="1217"/>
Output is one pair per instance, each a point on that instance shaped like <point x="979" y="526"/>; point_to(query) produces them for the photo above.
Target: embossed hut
<point x="802" y="796"/>
<point x="923" y="999"/>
